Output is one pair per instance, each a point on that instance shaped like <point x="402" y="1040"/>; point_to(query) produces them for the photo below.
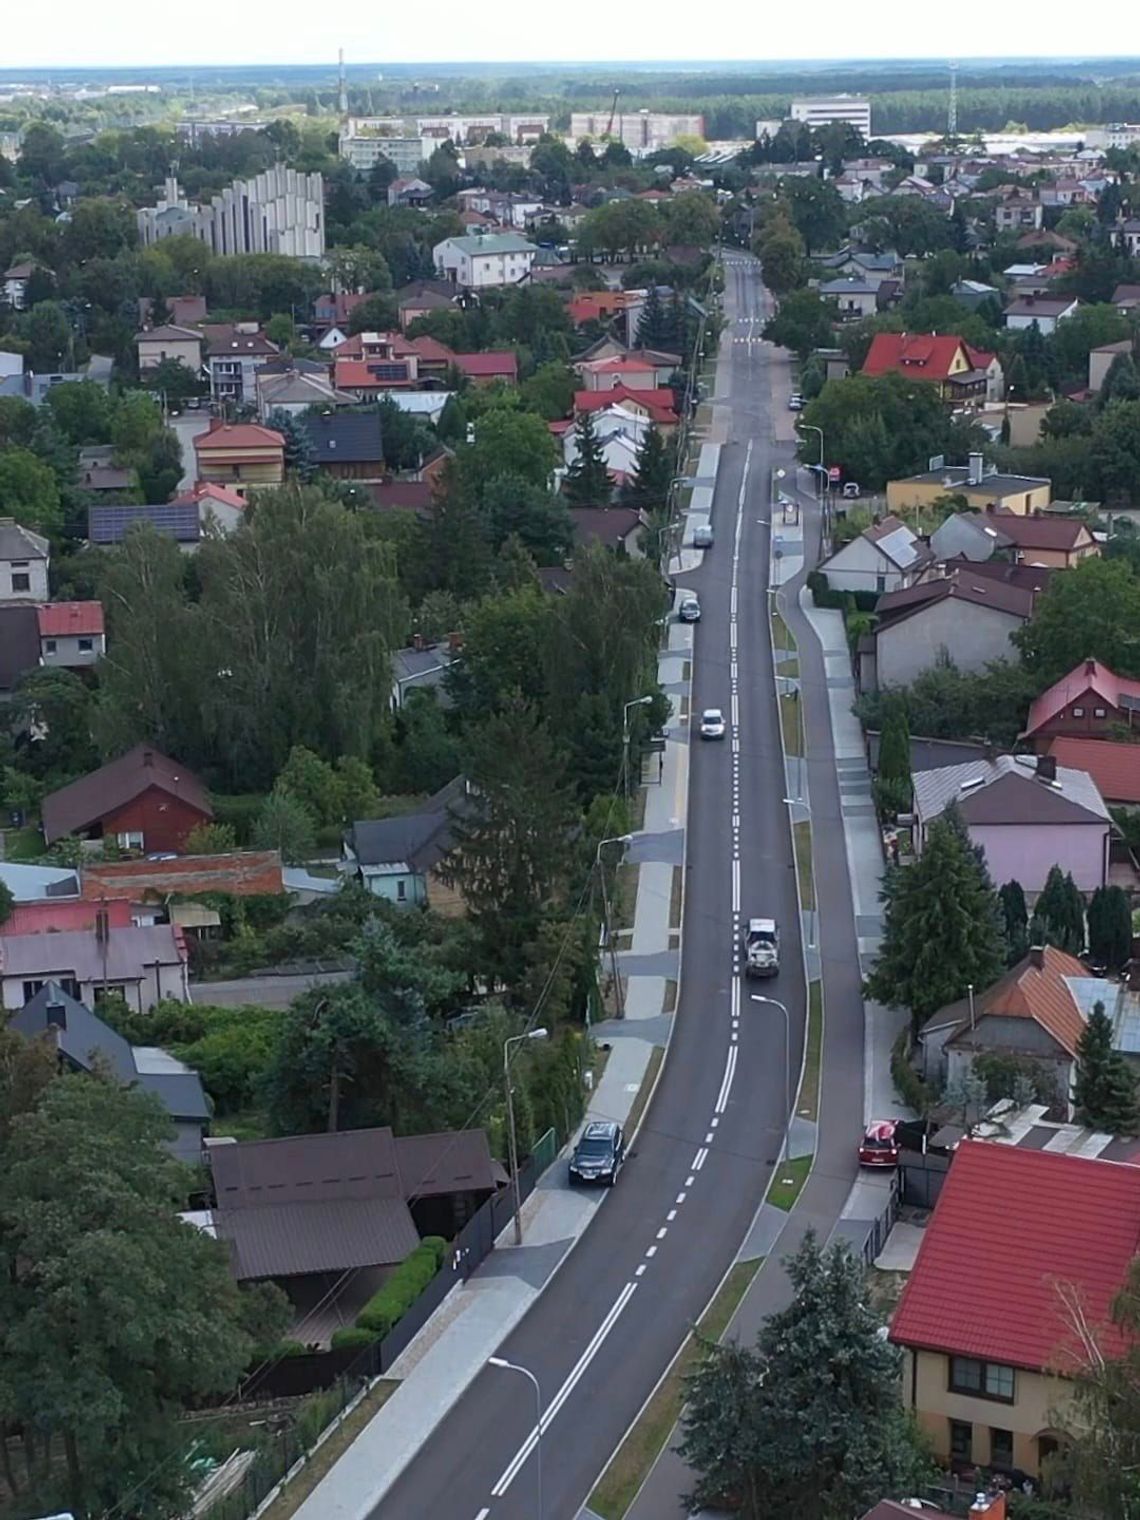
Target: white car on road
<point x="712" y="723"/>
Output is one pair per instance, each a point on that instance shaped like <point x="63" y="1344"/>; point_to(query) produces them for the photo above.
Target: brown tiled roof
<point x="1030" y="991"/>
<point x="455" y="1162"/>
<point x="113" y="785"/>
<point x="1027" y="577"/>
<point x="326" y="1235"/>
<point x="1115" y="767"/>
<point x="1045" y="532"/>
<point x="242" y="873"/>
<point x="894" y="606"/>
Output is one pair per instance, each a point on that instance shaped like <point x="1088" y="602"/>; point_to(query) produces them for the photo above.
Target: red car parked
<point x="879" y="1147"/>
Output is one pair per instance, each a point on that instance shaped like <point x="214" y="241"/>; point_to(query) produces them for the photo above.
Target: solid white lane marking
<point x="574" y="1378"/>
<point x="735" y="884"/>
<point x="726" y="1085"/>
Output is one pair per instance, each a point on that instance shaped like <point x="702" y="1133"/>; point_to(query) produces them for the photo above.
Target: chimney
<point x="1037" y="956"/>
<point x="417" y="641"/>
<point x="988" y="1507"/>
<point x="977" y="470"/>
<point x="148" y="759"/>
<point x="56" y="1011"/>
<point x="1046" y="767"/>
<point x="1090" y="667"/>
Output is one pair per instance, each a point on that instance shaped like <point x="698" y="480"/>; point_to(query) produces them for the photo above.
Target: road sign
<point x="833" y="474"/>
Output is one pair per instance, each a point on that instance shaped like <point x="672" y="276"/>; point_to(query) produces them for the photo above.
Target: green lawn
<point x="788" y="1180"/>
<point x="790" y="722"/>
<point x="643" y="1444"/>
<point x="809" y="1088"/>
<point x="26" y="844"/>
<point x="801" y="835"/>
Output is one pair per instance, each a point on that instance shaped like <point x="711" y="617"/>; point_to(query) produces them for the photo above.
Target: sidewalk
<point x="477" y="1315"/>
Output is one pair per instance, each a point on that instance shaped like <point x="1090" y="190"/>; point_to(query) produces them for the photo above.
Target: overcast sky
<point x="73" y="33"/>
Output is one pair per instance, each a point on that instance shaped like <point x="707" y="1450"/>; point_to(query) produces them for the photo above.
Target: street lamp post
<point x="515" y="1039"/>
<point x="501" y="1361"/>
<point x="821" y="497"/>
<point x="636" y="702"/>
<point x="758" y="998"/>
<point x="622" y="839"/>
<point x="799" y="802"/>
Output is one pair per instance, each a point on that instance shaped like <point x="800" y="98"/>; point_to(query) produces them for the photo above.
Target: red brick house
<point x="1090" y="702"/>
<point x="143" y="800"/>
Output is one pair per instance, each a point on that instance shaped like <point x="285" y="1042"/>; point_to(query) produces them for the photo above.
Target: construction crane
<point x="613" y="112"/>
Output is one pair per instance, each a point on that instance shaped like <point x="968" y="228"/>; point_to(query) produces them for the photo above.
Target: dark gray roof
<point x="930" y="754"/>
<point x="345" y="437"/>
<point x="108" y="523"/>
<point x="458" y="1161"/>
<point x="84" y="1039"/>
<point x="19" y="644"/>
<point x="419" y="840"/>
<point x="84" y="802"/>
<point x="1005" y="789"/>
<point x="18" y="542"/>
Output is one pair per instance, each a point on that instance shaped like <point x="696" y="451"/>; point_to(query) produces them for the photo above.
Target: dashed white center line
<point x="680" y="1198"/>
<point x="662" y="1232"/>
<point x="652" y="1252"/>
<point x="639" y="1269"/>
<point x="670" y="1216"/>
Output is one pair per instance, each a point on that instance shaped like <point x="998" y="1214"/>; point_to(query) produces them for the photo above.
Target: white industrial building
<point x="277" y="211"/>
<point x="822" y="110"/>
<point x="639" y="131"/>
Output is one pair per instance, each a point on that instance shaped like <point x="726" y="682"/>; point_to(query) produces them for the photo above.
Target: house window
<point x="31" y="989"/>
<point x="1099" y="712"/>
<point x="1078" y="712"/>
<point x="1001" y="1447"/>
<point x="401" y="890"/>
<point x="21" y="581"/>
<point x="130" y="839"/>
<point x="49" y="646"/>
<point x="85" y="645"/>
<point x="985" y="1380"/>
<point x="961" y="1441"/>
<point x="880" y="583"/>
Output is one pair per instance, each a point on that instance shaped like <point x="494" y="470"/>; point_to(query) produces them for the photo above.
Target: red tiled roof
<point x="430" y="348"/>
<point x="620" y="366"/>
<point x="922" y="356"/>
<point x="238" y="435"/>
<point x="1011" y="1225"/>
<point x="243" y="873"/>
<point x="1089" y="676"/>
<point x="658" y="403"/>
<point x="594" y="305"/>
<point x="1115" y="767"/>
<point x="209" y="490"/>
<point x="60" y="917"/>
<point x="356" y="374"/>
<point x="501" y="363"/>
<point x="1039" y="993"/>
<point x="59" y="619"/>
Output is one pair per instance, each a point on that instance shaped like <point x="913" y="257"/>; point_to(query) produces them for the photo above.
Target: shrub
<point x="352" y="1337"/>
<point x="910" y="1086"/>
<point x="239" y="812"/>
<point x="823" y="596"/>
<point x="438" y="1245"/>
<point x="392" y="1301"/>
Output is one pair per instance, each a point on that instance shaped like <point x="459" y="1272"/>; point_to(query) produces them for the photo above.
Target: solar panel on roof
<point x="109" y="523"/>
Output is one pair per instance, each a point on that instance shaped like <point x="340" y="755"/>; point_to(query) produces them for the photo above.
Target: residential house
<point x="426" y="404"/>
<point x="109" y="523"/>
<point x="1018" y="211"/>
<point x="155" y="345"/>
<point x="162" y="890"/>
<point x="1126" y="298"/>
<point x="1113" y="764"/>
<point x="242" y="455"/>
<point x="16" y="284"/>
<point x="72" y="635"/>
<point x="986" y="1506"/>
<point x="618" y="529"/>
<point x="497" y="367"/>
<point x="369" y="364"/>
<point x="143" y="800"/>
<point x="981" y="487"/>
<point x="434" y="360"/>
<point x="1047" y="239"/>
<point x="960" y="372"/>
<point x="1046" y="539"/>
<point x="974" y="293"/>
<point x="1101" y="360"/>
<point x="619" y="432"/>
<point x="185" y="311"/>
<point x="973" y="536"/>
<point x="235" y="351"/>
<point x="964" y="617"/>
<point x="1091" y="702"/>
<point x="1126" y="235"/>
<point x="481" y="260"/>
<point x="100" y="475"/>
<point x="85" y="1043"/>
<point x="855" y="296"/>
<point x="605" y="374"/>
<point x="24" y="558"/>
<point x="333" y="308"/>
<point x="1044" y="312"/>
<point x="989" y="1346"/>
<point x="37" y="884"/>
<point x="216" y="505"/>
<point x="422" y="667"/>
<point x="410" y="192"/>
<point x="600" y="305"/>
<point x="295" y="392"/>
<point x="885" y="557"/>
<point x="346" y="445"/>
<point x="398" y="858"/>
<point x="1027" y="813"/>
<point x="656" y="406"/>
<point x="32" y="386"/>
<point x="665" y="365"/>
<point x="423" y="297"/>
<point x="1029" y="1014"/>
<point x="141" y="965"/>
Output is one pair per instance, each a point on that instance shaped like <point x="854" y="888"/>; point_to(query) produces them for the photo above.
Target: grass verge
<point x="809" y="1087"/>
<point x="645" y="1440"/>
<point x="670" y="1001"/>
<point x="790" y="722"/>
<point x="625" y="896"/>
<point x="675" y="898"/>
<point x="782" y="635"/>
<point x="801" y="837"/>
<point x="788" y="1179"/>
<point x="290" y="1499"/>
<point x="23" y="844"/>
<point x="637" y="1108"/>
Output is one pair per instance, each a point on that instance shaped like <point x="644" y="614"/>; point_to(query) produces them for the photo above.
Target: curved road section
<point x="612" y="1318"/>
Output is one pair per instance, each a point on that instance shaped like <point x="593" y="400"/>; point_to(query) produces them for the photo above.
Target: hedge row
<point x="842" y="601"/>
<point x="908" y="1084"/>
<point x="391" y="1302"/>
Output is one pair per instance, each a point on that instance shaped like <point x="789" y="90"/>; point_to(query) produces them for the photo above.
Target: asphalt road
<point x="614" y="1315"/>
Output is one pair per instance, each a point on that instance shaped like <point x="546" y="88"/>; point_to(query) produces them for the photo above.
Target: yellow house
<point x="158" y="343"/>
<point x="242" y="455"/>
<point x="989" y="1349"/>
<point x="1021" y="494"/>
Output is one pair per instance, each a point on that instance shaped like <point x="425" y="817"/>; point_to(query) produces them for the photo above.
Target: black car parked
<point x="599" y="1154"/>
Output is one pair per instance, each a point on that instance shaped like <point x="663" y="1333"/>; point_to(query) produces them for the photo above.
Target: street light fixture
<point x="516" y="1039"/>
<point x="636" y="702"/>
<point x="775" y="1003"/>
<point x="623" y="840"/>
<point x="501" y="1361"/>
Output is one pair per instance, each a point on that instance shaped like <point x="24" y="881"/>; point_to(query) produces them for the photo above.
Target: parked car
<point x="712" y="723"/>
<point x="795" y="403"/>
<point x="703" y="536"/>
<point x="599" y="1154"/>
<point x="761" y="947"/>
<point x="851" y="490"/>
<point x="689" y="610"/>
<point x="880" y="1144"/>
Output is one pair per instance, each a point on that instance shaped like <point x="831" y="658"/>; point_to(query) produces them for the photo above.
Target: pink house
<point x="1027" y="813"/>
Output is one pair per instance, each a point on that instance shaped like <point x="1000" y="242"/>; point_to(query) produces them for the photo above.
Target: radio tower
<point x="952" y="114"/>
<point x="343" y="93"/>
